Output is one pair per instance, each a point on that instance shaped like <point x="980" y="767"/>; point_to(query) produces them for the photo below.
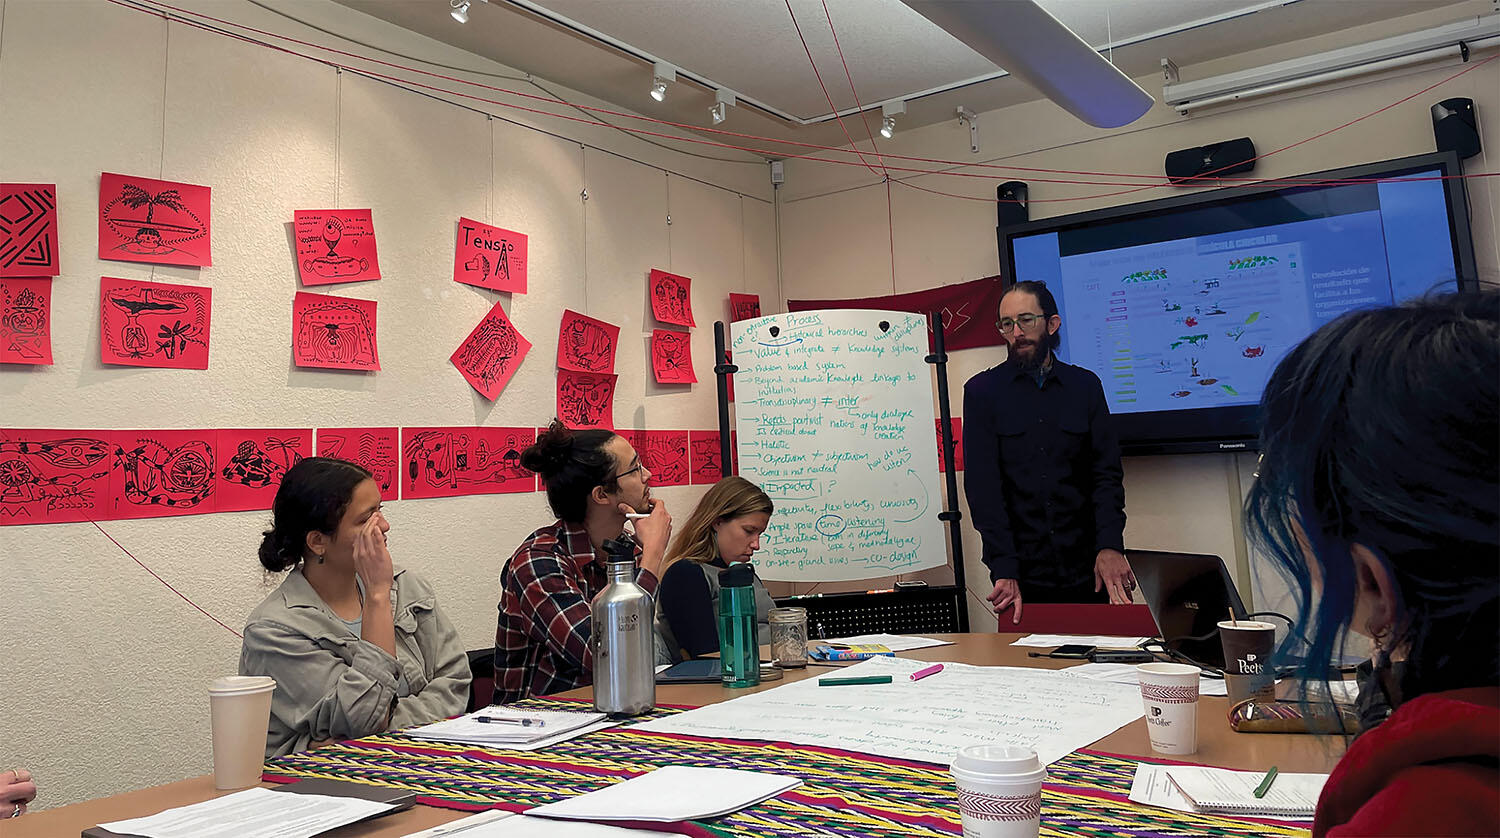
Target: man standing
<point x="1043" y="468"/>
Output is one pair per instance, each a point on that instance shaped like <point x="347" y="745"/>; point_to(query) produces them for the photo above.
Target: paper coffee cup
<point x="999" y="791"/>
<point x="1170" y="692"/>
<point x="240" y="712"/>
<point x="1247" y="660"/>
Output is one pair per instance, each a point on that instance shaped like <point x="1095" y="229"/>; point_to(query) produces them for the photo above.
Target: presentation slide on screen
<point x="1201" y="321"/>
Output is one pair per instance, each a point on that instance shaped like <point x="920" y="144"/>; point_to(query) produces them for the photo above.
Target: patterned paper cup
<point x="1170" y="691"/>
<point x="999" y="791"/>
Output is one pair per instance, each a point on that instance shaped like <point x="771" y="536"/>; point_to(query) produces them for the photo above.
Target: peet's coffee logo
<point x="1156" y="711"/>
<point x="1249" y="665"/>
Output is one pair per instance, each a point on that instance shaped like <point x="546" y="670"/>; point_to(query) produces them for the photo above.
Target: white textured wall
<point x="103" y="670"/>
<point x="837" y="239"/>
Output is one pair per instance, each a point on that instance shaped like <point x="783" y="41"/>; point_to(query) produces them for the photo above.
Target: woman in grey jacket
<point x="357" y="646"/>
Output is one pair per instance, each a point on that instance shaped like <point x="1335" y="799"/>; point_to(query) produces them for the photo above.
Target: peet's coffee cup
<point x="1170" y="692"/>
<point x="999" y="791"/>
<point x="240" y="709"/>
<point x="1247" y="660"/>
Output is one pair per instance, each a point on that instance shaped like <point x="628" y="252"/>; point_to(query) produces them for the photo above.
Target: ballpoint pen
<point x="509" y="720"/>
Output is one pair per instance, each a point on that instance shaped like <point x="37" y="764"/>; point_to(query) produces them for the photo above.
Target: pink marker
<point x="924" y="672"/>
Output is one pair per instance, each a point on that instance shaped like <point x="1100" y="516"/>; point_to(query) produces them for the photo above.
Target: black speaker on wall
<point x="1010" y="203"/>
<point x="1210" y="161"/>
<point x="1455" y="127"/>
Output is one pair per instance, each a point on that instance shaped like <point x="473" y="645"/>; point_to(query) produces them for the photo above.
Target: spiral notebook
<point x="1221" y="791"/>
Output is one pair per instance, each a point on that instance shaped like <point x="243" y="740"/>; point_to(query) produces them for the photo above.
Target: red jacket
<point x="1430" y="769"/>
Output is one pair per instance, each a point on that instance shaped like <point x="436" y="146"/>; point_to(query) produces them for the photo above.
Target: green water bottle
<point x="739" y="645"/>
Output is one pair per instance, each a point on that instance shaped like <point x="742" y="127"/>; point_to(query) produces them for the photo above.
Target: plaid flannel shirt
<point x="542" y="641"/>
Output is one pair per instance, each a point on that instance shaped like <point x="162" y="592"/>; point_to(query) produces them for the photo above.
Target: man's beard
<point x="1034" y="358"/>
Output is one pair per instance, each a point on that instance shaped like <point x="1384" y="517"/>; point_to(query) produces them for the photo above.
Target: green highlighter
<point x="849" y="682"/>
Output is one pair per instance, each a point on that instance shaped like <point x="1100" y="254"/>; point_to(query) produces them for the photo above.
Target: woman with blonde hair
<point x="725" y="529"/>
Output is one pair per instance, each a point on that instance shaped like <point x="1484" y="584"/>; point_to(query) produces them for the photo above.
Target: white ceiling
<point x="752" y="47"/>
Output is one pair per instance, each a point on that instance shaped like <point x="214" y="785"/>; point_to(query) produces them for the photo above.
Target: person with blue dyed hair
<point x="1377" y="493"/>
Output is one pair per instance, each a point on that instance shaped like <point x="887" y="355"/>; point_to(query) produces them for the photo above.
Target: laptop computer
<point x="1188" y="594"/>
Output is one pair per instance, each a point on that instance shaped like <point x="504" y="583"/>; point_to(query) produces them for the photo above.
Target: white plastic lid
<point x="241" y="684"/>
<point x="1000" y="762"/>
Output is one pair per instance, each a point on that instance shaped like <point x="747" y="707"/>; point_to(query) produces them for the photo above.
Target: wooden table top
<point x="1217" y="745"/>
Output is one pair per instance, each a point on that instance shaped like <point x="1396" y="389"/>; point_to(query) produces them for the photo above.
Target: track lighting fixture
<point x="888" y="127"/>
<point x="888" y="114"/>
<point x="664" y="75"/>
<point x="724" y="99"/>
<point x="460" y="10"/>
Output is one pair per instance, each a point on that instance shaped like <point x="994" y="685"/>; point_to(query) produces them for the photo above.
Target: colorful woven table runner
<point x="843" y="793"/>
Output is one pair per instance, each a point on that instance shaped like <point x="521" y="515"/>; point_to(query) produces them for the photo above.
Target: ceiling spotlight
<point x="888" y="113"/>
<point x="460" y="10"/>
<point x="724" y="99"/>
<point x="665" y="73"/>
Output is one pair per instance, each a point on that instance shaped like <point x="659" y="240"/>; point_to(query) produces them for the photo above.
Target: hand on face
<point x="372" y="559"/>
<point x="653" y="532"/>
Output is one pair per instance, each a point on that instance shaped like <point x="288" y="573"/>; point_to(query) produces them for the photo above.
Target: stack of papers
<point x="1047" y="641"/>
<point x="1189" y="788"/>
<point x="1126" y="673"/>
<point x="502" y="727"/>
<point x="253" y="813"/>
<point x="497" y="824"/>
<point x="671" y="793"/>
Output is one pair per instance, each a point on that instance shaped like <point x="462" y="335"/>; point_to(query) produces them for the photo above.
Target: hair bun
<point x="551" y="452"/>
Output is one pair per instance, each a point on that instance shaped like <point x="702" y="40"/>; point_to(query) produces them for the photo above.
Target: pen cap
<point x="999" y="763"/>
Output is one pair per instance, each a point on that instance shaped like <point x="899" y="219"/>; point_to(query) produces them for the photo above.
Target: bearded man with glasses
<point x="1043" y="474"/>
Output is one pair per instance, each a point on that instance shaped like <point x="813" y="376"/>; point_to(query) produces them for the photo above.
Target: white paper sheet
<point x="253" y="813"/>
<point x="554" y="726"/>
<point x="894" y="642"/>
<point x="496" y="824"/>
<point x="1125" y="673"/>
<point x="670" y="794"/>
<point x="925" y="720"/>
<point x="1153" y="787"/>
<point x="1047" y="641"/>
<point x="1224" y="790"/>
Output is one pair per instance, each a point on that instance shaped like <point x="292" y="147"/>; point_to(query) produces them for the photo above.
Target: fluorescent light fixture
<point x="1449" y="41"/>
<point x="665" y="74"/>
<point x="723" y="100"/>
<point x="888" y="113"/>
<point x="460" y="10"/>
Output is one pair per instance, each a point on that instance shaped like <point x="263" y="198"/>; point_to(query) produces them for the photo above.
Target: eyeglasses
<point x="632" y="470"/>
<point x="1026" y="321"/>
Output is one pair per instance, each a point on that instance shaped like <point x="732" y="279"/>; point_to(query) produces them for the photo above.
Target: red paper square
<point x="250" y="464"/>
<point x="377" y="449"/>
<point x="671" y="298"/>
<point x="586" y="344"/>
<point x="704" y="458"/>
<point x="153" y="324"/>
<point x="957" y="423"/>
<point x="743" y="307"/>
<point x="335" y="246"/>
<point x="672" y="357"/>
<point x="26" y="321"/>
<point x="49" y="476"/>
<point x="491" y="353"/>
<point x="490" y="257"/>
<point x="586" y="399"/>
<point x="166" y="473"/>
<point x="334" y="332"/>
<point x="28" y="229"/>
<point x="155" y="221"/>
<point x="664" y="454"/>
<point x="447" y="462"/>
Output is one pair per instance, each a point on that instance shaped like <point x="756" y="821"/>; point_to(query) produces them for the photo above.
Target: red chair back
<point x="1081" y="618"/>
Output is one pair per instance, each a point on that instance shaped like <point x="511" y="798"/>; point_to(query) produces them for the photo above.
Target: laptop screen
<point x="1188" y="595"/>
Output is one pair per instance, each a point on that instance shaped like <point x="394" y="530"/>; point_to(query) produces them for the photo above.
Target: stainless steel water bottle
<point x="739" y="645"/>
<point x="623" y="638"/>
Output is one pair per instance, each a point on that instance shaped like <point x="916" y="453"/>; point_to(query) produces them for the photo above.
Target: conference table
<point x="1217" y="745"/>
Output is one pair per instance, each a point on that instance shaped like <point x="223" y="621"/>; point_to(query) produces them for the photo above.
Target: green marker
<point x="849" y="682"/>
<point x="1265" y="783"/>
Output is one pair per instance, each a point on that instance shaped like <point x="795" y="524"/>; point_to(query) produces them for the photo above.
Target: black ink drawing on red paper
<point x="166" y="473"/>
<point x="445" y="462"/>
<point x="586" y="399"/>
<point x="155" y="221"/>
<point x="153" y="324"/>
<point x="376" y="449"/>
<point x="55" y="476"/>
<point x="334" y="332"/>
<point x="28" y="230"/>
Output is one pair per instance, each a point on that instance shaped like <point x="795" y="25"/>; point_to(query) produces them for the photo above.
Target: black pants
<point x="1035" y="592"/>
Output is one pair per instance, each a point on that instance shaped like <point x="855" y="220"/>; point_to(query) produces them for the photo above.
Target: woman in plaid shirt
<point x="593" y="478"/>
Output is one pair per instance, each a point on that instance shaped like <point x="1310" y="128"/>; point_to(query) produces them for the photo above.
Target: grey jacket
<point x="330" y="684"/>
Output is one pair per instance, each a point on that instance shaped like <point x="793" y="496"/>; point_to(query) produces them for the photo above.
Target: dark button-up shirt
<point x="1042" y="473"/>
<point x="542" y="640"/>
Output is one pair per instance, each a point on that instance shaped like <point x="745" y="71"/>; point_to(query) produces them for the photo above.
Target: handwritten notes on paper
<point x="335" y="246"/>
<point x="926" y="720"/>
<point x="489" y="356"/>
<point x="835" y="423"/>
<point x="155" y="221"/>
<point x="490" y="257"/>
